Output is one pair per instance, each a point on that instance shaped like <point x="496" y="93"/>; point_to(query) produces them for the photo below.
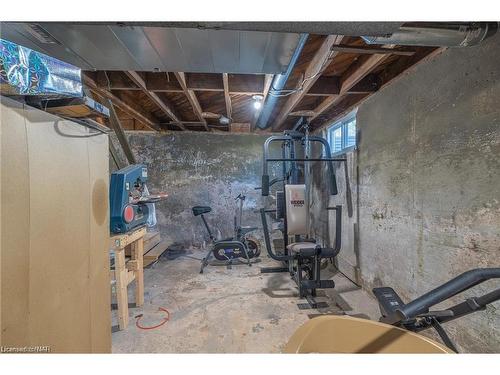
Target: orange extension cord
<point x="166" y="319"/>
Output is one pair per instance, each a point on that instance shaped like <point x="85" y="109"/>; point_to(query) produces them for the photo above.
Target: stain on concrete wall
<point x="201" y="169"/>
<point x="429" y="197"/>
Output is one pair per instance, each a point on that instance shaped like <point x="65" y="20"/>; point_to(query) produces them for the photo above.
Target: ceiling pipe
<point x="438" y="34"/>
<point x="279" y="82"/>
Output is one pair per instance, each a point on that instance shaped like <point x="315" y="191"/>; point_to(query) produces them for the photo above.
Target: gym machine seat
<point x="199" y="210"/>
<point x="311" y="249"/>
<point x="304" y="249"/>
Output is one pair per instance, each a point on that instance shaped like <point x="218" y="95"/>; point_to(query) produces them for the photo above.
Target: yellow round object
<point x="345" y="334"/>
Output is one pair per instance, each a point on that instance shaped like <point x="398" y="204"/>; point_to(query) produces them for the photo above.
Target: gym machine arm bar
<point x="338" y="227"/>
<point x="284" y="258"/>
<point x="267" y="237"/>
<point x="316" y="159"/>
<point x="271" y="183"/>
<point x="285" y="138"/>
<point x="457" y="285"/>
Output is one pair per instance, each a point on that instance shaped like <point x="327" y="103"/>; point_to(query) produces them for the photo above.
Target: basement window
<point x="342" y="134"/>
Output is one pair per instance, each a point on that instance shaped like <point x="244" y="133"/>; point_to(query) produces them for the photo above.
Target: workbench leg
<point x="121" y="288"/>
<point x="138" y="250"/>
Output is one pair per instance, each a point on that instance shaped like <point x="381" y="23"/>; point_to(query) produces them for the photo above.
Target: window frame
<point x="342" y="123"/>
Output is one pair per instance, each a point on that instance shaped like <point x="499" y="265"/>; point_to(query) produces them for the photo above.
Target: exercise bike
<point x="231" y="248"/>
<point x="396" y="331"/>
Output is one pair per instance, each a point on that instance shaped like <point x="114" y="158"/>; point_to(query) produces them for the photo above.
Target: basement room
<point x="250" y="187"/>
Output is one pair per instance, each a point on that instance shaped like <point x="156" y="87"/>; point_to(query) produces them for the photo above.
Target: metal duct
<point x="437" y="34"/>
<point x="121" y="47"/>
<point x="279" y="82"/>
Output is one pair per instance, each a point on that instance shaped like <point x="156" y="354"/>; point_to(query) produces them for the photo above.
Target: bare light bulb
<point x="257" y="104"/>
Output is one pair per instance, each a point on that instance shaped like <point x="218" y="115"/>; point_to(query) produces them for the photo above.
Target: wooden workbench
<point x="126" y="272"/>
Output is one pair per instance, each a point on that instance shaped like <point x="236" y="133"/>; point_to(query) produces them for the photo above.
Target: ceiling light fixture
<point x="257" y="101"/>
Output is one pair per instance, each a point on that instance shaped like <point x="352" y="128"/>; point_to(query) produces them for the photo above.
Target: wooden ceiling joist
<point x="204" y="81"/>
<point x="238" y="84"/>
<point x="246" y="84"/>
<point x="371" y="50"/>
<point x="268" y="80"/>
<point x="227" y="97"/>
<point x="354" y="74"/>
<point x="330" y="85"/>
<point x="140" y="81"/>
<point x="333" y="74"/>
<point x="114" y="81"/>
<point x="389" y="74"/>
<point x="325" y="86"/>
<point x="319" y="62"/>
<point x="117" y="99"/>
<point x="193" y="100"/>
<point x="162" y="82"/>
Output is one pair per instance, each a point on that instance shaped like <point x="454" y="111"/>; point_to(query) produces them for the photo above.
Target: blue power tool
<point x="126" y="193"/>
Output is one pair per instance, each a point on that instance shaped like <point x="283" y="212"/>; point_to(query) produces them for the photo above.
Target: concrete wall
<point x="428" y="164"/>
<point x="201" y="169"/>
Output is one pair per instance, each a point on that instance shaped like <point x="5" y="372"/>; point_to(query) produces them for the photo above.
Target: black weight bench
<point x="308" y="256"/>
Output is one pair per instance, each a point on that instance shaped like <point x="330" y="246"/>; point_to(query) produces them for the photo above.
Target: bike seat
<point x="198" y="210"/>
<point x="245" y="230"/>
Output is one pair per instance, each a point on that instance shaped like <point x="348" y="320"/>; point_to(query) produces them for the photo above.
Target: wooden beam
<point x="108" y="80"/>
<point x="193" y="100"/>
<point x="318" y="64"/>
<point x="304" y="113"/>
<point x="393" y="72"/>
<point x="368" y="84"/>
<point x="139" y="80"/>
<point x="240" y="127"/>
<point x="227" y="97"/>
<point x="355" y="73"/>
<point x="328" y="86"/>
<point x="268" y="80"/>
<point x="249" y="84"/>
<point x="242" y="84"/>
<point x="131" y="109"/>
<point x="114" y="155"/>
<point x="371" y="50"/>
<point x="120" y="133"/>
<point x="204" y="81"/>
<point x="162" y="82"/>
<point x="325" y="86"/>
<point x="359" y="70"/>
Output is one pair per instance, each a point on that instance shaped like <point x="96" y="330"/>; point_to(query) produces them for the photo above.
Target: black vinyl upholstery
<point x="198" y="210"/>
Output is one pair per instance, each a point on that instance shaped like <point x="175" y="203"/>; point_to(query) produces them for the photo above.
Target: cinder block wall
<point x="197" y="168"/>
<point x="428" y="183"/>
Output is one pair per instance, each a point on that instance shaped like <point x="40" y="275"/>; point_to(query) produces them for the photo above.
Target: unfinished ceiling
<point x="160" y="78"/>
<point x="350" y="70"/>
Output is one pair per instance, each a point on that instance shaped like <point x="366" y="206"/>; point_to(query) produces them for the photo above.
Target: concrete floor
<point x="236" y="310"/>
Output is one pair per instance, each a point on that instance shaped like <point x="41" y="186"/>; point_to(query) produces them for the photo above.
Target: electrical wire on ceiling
<point x="275" y="93"/>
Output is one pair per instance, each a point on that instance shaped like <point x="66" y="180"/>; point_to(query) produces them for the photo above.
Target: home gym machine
<point x="395" y="331"/>
<point x="231" y="248"/>
<point x="302" y="256"/>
